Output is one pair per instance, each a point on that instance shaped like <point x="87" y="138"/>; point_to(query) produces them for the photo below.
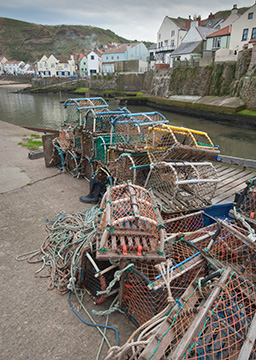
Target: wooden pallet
<point x="232" y="180"/>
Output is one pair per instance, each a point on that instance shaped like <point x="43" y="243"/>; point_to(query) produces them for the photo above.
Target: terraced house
<point x="125" y="57"/>
<point x="55" y="65"/>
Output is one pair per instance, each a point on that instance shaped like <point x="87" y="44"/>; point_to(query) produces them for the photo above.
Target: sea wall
<point x="218" y="79"/>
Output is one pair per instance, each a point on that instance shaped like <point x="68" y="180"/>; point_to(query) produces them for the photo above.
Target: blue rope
<point x="91" y="324"/>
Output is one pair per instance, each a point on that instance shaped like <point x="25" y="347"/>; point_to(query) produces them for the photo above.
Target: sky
<point x="131" y="19"/>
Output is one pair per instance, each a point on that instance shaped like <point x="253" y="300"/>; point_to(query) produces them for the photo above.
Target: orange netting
<point x="211" y="320"/>
<point x="145" y="296"/>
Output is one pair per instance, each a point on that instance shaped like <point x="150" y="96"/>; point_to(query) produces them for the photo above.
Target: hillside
<point x="20" y="40"/>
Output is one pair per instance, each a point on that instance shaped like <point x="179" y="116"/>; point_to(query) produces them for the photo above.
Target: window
<point x="52" y="65"/>
<point x="107" y="57"/>
<point x="92" y="57"/>
<point x="166" y="43"/>
<point x="172" y="33"/>
<point x="112" y="57"/>
<point x="250" y="16"/>
<point x="172" y="43"/>
<point x="216" y="42"/>
<point x="245" y="35"/>
<point x="253" y="33"/>
<point x="117" y="57"/>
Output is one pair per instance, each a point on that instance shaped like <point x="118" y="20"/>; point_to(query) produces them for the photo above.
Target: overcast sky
<point x="131" y="19"/>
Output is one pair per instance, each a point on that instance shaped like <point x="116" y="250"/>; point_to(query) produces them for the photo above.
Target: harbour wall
<point x="220" y="79"/>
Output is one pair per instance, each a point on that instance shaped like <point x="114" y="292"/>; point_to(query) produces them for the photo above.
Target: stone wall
<point x="218" y="79"/>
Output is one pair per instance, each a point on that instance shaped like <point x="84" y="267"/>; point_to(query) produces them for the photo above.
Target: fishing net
<point x="233" y="247"/>
<point x="144" y="292"/>
<point x="182" y="186"/>
<point x="183" y="223"/>
<point x="131" y="129"/>
<point x="133" y="167"/>
<point x="213" y="319"/>
<point x="100" y="121"/>
<point x="95" y="276"/>
<point x="244" y="209"/>
<point x="76" y="109"/>
<point x="130" y="224"/>
<point x="174" y="143"/>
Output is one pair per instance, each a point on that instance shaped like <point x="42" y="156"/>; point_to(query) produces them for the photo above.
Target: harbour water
<point x="46" y="111"/>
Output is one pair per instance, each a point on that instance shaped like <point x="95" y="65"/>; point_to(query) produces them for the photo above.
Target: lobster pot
<point x="141" y="299"/>
<point x="95" y="285"/>
<point x="216" y="321"/>
<point x="170" y="143"/>
<point x="131" y="129"/>
<point x="182" y="186"/>
<point x="130" y="224"/>
<point x="233" y="247"/>
<point x="133" y="167"/>
<point x="245" y="205"/>
<point x="76" y="109"/>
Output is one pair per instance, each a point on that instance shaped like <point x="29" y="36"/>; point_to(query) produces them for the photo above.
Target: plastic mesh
<point x="100" y="120"/>
<point x="212" y="323"/>
<point x="174" y="143"/>
<point x="245" y="204"/>
<point x="143" y="297"/>
<point x="95" y="284"/>
<point x="182" y="186"/>
<point x="184" y="223"/>
<point x="130" y="224"/>
<point x="131" y="129"/>
<point x="76" y="109"/>
<point x="233" y="248"/>
<point x="133" y="167"/>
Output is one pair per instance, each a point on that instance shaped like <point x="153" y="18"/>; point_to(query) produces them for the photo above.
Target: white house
<point x="3" y="60"/>
<point x="192" y="44"/>
<point x="170" y="36"/>
<point x="55" y="65"/>
<point x="13" y="67"/>
<point x="243" y="30"/>
<point x="93" y="61"/>
<point x="122" y="53"/>
<point x="231" y="18"/>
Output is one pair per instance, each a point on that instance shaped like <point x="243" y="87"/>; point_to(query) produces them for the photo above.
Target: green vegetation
<point x="33" y="142"/>
<point x="247" y="112"/>
<point x="81" y="90"/>
<point x="20" y="40"/>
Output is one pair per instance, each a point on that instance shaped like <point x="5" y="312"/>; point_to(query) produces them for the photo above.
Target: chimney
<point x="234" y="10"/>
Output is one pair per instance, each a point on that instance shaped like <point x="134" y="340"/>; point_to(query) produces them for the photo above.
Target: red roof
<point x="225" y="31"/>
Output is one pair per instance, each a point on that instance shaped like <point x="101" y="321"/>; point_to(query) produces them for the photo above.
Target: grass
<point x="81" y="90"/>
<point x="32" y="143"/>
<point x="247" y="112"/>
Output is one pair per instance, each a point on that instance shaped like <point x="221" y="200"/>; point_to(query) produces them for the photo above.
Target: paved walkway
<point x="38" y="323"/>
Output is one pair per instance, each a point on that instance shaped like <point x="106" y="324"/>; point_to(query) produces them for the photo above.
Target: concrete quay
<point x="37" y="323"/>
